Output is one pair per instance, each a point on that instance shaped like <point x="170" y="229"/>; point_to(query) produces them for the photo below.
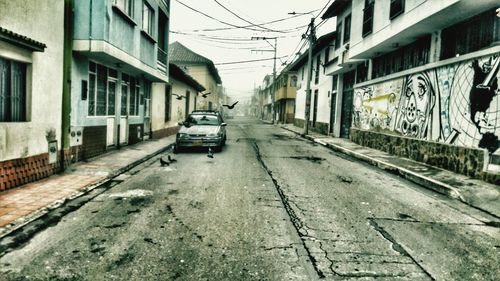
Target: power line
<point x="266" y="23"/>
<point x="208" y="16"/>
<point x="235" y="62"/>
<point x="236" y="15"/>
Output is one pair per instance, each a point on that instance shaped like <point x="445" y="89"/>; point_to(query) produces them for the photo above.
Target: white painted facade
<point x="44" y="81"/>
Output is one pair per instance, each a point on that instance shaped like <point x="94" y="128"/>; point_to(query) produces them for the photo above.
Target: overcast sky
<point x="230" y="44"/>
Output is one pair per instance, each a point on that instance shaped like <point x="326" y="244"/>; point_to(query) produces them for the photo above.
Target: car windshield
<point x="203" y="120"/>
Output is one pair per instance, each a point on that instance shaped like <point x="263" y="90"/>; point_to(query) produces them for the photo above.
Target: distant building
<point x="31" y="88"/>
<point x="202" y="70"/>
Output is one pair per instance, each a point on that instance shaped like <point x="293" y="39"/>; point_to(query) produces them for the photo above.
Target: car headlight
<point x="212" y="135"/>
<point x="182" y="135"/>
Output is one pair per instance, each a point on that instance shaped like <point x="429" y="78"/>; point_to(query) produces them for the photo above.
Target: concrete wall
<point x="44" y="75"/>
<point x="442" y="104"/>
<point x="178" y="111"/>
<point x="201" y="74"/>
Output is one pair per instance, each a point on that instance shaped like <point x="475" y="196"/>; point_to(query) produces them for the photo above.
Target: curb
<point x="43" y="212"/>
<point x="423" y="181"/>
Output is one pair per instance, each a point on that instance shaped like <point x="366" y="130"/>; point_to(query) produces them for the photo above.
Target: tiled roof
<point x="336" y="8"/>
<point x="321" y="43"/>
<point x="21" y="40"/>
<point x="180" y="54"/>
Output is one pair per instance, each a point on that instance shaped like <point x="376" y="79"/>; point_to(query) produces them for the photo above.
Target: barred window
<point x="12" y="91"/>
<point x="368" y="17"/>
<point x="101" y="90"/>
<point x="470" y="35"/>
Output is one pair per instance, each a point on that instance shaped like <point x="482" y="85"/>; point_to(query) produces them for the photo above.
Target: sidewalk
<point x="21" y="205"/>
<point x="476" y="193"/>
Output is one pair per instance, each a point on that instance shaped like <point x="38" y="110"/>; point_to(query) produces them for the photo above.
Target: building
<point x="202" y="70"/>
<point x="31" y="90"/>
<point x="266" y="91"/>
<point x="285" y="94"/>
<point x="419" y="79"/>
<point x="171" y="107"/>
<point x="119" y="60"/>
<point x="323" y="93"/>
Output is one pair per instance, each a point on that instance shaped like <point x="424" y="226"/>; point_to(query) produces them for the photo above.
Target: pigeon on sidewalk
<point x="163" y="162"/>
<point x="210" y="153"/>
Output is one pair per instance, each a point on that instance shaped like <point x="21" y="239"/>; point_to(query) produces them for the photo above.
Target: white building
<point x="31" y="89"/>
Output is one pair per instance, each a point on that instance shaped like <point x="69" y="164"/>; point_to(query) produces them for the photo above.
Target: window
<point x="347" y="28"/>
<point x="124" y="97"/>
<point x="134" y="97"/>
<point x="293" y="81"/>
<point x="339" y="35"/>
<point x="362" y="72"/>
<point x="327" y="54"/>
<point x="12" y="91"/>
<point x="397" y="8"/>
<point x="470" y="35"/>
<point x="406" y="57"/>
<point x="147" y="98"/>
<point x="126" y="6"/>
<point x="168" y="103"/>
<point x="147" y="18"/>
<point x="368" y="17"/>
<point x="101" y="90"/>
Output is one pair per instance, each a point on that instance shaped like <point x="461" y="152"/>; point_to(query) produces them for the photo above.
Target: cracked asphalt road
<point x="270" y="206"/>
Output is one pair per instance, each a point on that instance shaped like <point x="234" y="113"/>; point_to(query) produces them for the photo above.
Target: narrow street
<point x="270" y="206"/>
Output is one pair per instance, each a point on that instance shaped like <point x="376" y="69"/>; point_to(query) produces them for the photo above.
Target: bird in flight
<point x="230" y="106"/>
<point x="179" y="97"/>
<point x="163" y="162"/>
<point x="210" y="153"/>
<point x="205" y="95"/>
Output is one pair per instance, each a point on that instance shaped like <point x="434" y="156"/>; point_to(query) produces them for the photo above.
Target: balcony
<point x="162" y="61"/>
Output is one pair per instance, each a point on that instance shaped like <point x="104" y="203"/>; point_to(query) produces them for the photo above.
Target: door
<point x="347" y="106"/>
<point x="110" y="131"/>
<point x="123" y="130"/>
<point x="333" y="103"/>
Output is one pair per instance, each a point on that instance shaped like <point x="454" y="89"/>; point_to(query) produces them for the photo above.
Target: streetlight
<point x="312" y="37"/>
<point x="274" y="69"/>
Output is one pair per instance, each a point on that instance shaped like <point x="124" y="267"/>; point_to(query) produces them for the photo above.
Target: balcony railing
<point x="162" y="60"/>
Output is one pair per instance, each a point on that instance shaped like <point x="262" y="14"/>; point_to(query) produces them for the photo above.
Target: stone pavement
<point x="476" y="193"/>
<point x="21" y="205"/>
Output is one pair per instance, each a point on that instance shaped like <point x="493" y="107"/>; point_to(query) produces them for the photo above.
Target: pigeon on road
<point x="163" y="162"/>
<point x="210" y="153"/>
<point x="230" y="106"/>
<point x="170" y="159"/>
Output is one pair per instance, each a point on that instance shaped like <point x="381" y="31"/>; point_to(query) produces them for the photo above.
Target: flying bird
<point x="210" y="153"/>
<point x="179" y="97"/>
<point x="230" y="106"/>
<point x="163" y="162"/>
<point x="170" y="159"/>
<point x="205" y="95"/>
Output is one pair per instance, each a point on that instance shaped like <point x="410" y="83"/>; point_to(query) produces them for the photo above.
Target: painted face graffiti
<point x="415" y="106"/>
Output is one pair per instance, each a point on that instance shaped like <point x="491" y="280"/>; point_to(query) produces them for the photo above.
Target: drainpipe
<point x="66" y="93"/>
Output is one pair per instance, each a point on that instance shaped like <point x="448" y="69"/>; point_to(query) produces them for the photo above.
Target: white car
<point x="202" y="129"/>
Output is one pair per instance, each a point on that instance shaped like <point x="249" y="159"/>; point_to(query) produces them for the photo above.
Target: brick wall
<point x="463" y="160"/>
<point x="158" y="134"/>
<point x="94" y="141"/>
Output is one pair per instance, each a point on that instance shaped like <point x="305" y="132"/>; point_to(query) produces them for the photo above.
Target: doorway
<point x="347" y="106"/>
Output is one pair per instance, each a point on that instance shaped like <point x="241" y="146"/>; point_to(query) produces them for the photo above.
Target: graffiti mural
<point x="456" y="104"/>
<point x="376" y="106"/>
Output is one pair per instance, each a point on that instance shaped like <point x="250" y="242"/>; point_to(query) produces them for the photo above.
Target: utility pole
<point x="311" y="37"/>
<point x="275" y="48"/>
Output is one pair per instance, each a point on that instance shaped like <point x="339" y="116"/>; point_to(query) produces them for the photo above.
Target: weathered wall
<point x="454" y="104"/>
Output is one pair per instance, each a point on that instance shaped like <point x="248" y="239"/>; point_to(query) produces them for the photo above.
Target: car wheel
<point x="224" y="141"/>
<point x="176" y="149"/>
